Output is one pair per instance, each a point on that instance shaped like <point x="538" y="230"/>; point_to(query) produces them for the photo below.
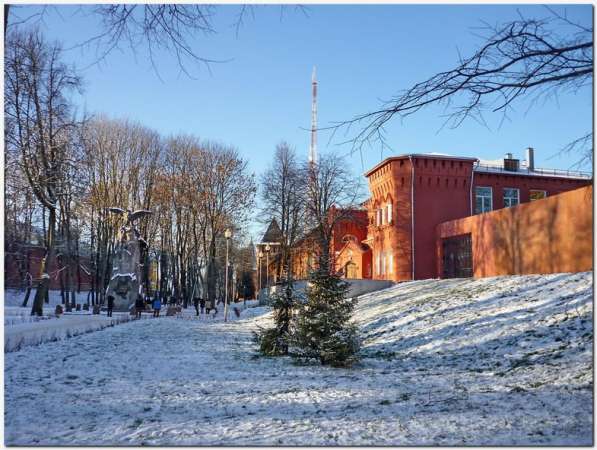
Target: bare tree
<point x="39" y="120"/>
<point x="332" y="192"/>
<point x="121" y="161"/>
<point x="228" y="191"/>
<point x="172" y="28"/>
<point x="521" y="60"/>
<point x="283" y="192"/>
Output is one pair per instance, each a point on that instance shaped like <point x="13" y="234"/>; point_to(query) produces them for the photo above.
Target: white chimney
<point x="508" y="156"/>
<point x="530" y="158"/>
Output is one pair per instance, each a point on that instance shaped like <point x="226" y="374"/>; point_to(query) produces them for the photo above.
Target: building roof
<point x="524" y="171"/>
<point x="273" y="233"/>
<point x="432" y="155"/>
<point x="494" y="166"/>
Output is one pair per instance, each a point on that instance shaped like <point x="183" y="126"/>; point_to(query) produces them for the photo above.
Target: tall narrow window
<point x="511" y="197"/>
<point x="389" y="211"/>
<point x="483" y="199"/>
<point x="535" y="194"/>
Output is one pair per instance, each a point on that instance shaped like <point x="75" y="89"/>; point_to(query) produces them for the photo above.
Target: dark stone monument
<point x="125" y="283"/>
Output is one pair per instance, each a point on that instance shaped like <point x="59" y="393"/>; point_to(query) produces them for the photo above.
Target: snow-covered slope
<point x="494" y="361"/>
<point x="502" y="361"/>
<point x="492" y="325"/>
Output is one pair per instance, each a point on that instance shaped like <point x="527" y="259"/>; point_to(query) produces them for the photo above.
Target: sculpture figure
<point x="125" y="283"/>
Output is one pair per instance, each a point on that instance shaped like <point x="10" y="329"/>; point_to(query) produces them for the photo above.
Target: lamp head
<point x="267" y="248"/>
<point x="227" y="233"/>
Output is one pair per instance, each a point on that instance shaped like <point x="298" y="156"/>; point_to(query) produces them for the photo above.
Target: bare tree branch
<point x="519" y="59"/>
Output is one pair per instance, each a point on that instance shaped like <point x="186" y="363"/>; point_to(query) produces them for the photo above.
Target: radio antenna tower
<point x="313" y="148"/>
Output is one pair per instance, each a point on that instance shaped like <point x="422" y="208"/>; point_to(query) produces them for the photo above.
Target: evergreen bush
<point x="274" y="341"/>
<point x="322" y="328"/>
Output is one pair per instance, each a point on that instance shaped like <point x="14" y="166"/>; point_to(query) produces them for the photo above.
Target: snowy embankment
<point x="500" y="361"/>
<point x="21" y="329"/>
<point x="56" y="328"/>
<point x="494" y="361"/>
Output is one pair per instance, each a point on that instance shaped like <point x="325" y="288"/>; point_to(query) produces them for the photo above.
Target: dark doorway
<point x="458" y="257"/>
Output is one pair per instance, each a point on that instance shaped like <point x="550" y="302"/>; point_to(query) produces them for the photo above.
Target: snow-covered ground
<point x="21" y="329"/>
<point x="498" y="361"/>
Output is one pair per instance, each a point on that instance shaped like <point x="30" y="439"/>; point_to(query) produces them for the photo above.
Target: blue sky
<point x="362" y="52"/>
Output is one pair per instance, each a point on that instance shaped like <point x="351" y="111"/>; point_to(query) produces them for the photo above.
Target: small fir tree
<point x="274" y="341"/>
<point x="322" y="328"/>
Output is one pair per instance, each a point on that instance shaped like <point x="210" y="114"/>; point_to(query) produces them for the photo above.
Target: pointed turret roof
<point x="273" y="233"/>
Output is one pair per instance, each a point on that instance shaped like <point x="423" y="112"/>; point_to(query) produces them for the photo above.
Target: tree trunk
<point x="44" y="284"/>
<point x="61" y="278"/>
<point x="29" y="285"/>
<point x="6" y="11"/>
<point x="29" y="281"/>
<point x="212" y="273"/>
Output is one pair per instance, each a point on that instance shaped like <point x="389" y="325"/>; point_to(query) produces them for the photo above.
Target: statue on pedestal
<point x="125" y="283"/>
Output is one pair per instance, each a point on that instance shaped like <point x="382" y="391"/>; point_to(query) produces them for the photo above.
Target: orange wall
<point x="391" y="182"/>
<point x="545" y="236"/>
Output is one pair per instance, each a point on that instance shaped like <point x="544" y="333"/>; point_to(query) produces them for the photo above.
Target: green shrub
<point x="322" y="328"/>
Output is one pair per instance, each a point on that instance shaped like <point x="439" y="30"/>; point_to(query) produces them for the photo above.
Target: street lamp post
<point x="267" y="249"/>
<point x="259" y="256"/>
<point x="227" y="235"/>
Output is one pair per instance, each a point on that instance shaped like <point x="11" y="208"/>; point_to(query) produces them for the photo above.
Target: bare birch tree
<point x="332" y="191"/>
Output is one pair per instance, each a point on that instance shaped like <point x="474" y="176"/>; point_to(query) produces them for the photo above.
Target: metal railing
<point x="536" y="171"/>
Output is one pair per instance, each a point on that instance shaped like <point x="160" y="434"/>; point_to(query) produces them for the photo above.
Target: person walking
<point x="196" y="304"/>
<point x="110" y="305"/>
<point x="157" y="306"/>
<point x="202" y="304"/>
<point x="139" y="306"/>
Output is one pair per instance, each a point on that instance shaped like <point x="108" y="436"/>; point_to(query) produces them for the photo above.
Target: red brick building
<point x="412" y="194"/>
<point x="22" y="261"/>
<point x="350" y="256"/>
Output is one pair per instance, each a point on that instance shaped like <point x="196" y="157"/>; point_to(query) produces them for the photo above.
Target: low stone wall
<point x="357" y="287"/>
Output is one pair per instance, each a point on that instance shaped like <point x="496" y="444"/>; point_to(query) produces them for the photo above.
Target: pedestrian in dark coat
<point x="202" y="304"/>
<point x="196" y="304"/>
<point x="110" y="305"/>
<point x="139" y="306"/>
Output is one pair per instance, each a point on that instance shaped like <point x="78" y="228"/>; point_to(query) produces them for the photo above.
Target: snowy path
<point x="450" y="363"/>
